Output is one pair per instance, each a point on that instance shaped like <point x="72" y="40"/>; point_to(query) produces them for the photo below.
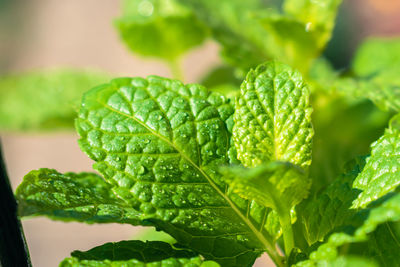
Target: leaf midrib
<point x="259" y="235"/>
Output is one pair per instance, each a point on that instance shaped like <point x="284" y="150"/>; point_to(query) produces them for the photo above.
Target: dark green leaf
<point x="135" y="253"/>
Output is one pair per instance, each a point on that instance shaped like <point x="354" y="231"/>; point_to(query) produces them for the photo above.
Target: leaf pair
<point x="160" y="144"/>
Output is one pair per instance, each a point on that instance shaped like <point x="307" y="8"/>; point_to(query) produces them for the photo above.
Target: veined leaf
<point x="276" y="185"/>
<point x="331" y="209"/>
<point x="159" y="28"/>
<point x="380" y="174"/>
<point x="388" y="211"/>
<point x="44" y="100"/>
<point x="84" y="197"/>
<point x="273" y="117"/>
<point x="159" y="143"/>
<point x="136" y="253"/>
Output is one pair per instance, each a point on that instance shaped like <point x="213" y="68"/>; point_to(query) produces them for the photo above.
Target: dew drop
<point x="145" y="8"/>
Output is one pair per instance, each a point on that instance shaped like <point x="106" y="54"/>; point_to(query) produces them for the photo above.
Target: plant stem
<point x="287" y="231"/>
<point x="176" y="70"/>
<point x="13" y="248"/>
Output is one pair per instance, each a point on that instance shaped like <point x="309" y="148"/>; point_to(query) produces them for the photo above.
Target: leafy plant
<point x="231" y="172"/>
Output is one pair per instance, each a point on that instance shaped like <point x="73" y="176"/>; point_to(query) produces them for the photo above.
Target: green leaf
<point x="159" y="28"/>
<point x="331" y="209"/>
<point x="136" y="253"/>
<point x="159" y="143"/>
<point x="84" y="197"/>
<point x="276" y="185"/>
<point x="234" y="25"/>
<point x="342" y="261"/>
<point x="318" y="16"/>
<point x="294" y="43"/>
<point x="388" y="211"/>
<point x="377" y="55"/>
<point x="273" y="117"/>
<point x="44" y="100"/>
<point x="380" y="174"/>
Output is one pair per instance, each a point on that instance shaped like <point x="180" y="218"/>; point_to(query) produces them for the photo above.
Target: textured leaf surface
<point x="276" y="185"/>
<point x="388" y="211"/>
<point x="44" y="100"/>
<point x="273" y="117"/>
<point x="381" y="172"/>
<point x="84" y="197"/>
<point x="159" y="143"/>
<point x="331" y="209"/>
<point x="135" y="253"/>
<point x="159" y="28"/>
<point x="376" y="55"/>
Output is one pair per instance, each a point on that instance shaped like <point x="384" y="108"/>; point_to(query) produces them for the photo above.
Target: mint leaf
<point x="273" y="117"/>
<point x="380" y="174"/>
<point x="331" y="209"/>
<point x="84" y="197"/>
<point x="293" y="43"/>
<point x="376" y="66"/>
<point x="135" y="253"/>
<point x="388" y="211"/>
<point x="234" y="25"/>
<point x="44" y="100"/>
<point x="159" y="143"/>
<point x="377" y="55"/>
<point x="276" y="185"/>
<point x="159" y="28"/>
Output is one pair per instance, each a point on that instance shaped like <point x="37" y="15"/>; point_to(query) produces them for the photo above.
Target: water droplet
<point x="141" y="170"/>
<point x="118" y="158"/>
<point x="145" y="8"/>
<point x="308" y="26"/>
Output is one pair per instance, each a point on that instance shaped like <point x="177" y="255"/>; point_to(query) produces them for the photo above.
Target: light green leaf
<point x="380" y="174"/>
<point x="44" y="100"/>
<point x="159" y="28"/>
<point x="84" y="197"/>
<point x="136" y="253"/>
<point x="159" y="143"/>
<point x="388" y="211"/>
<point x="234" y="25"/>
<point x="331" y="209"/>
<point x="294" y="43"/>
<point x="276" y="185"/>
<point x="377" y="55"/>
<point x="342" y="261"/>
<point x="318" y="16"/>
<point x="273" y="117"/>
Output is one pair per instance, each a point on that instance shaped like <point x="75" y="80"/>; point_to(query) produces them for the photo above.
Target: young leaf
<point x="159" y="143"/>
<point x="276" y="185"/>
<point x="380" y="174"/>
<point x="84" y="197"/>
<point x="136" y="253"/>
<point x="388" y="211"/>
<point x="45" y="100"/>
<point x="159" y="28"/>
<point x="273" y="117"/>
